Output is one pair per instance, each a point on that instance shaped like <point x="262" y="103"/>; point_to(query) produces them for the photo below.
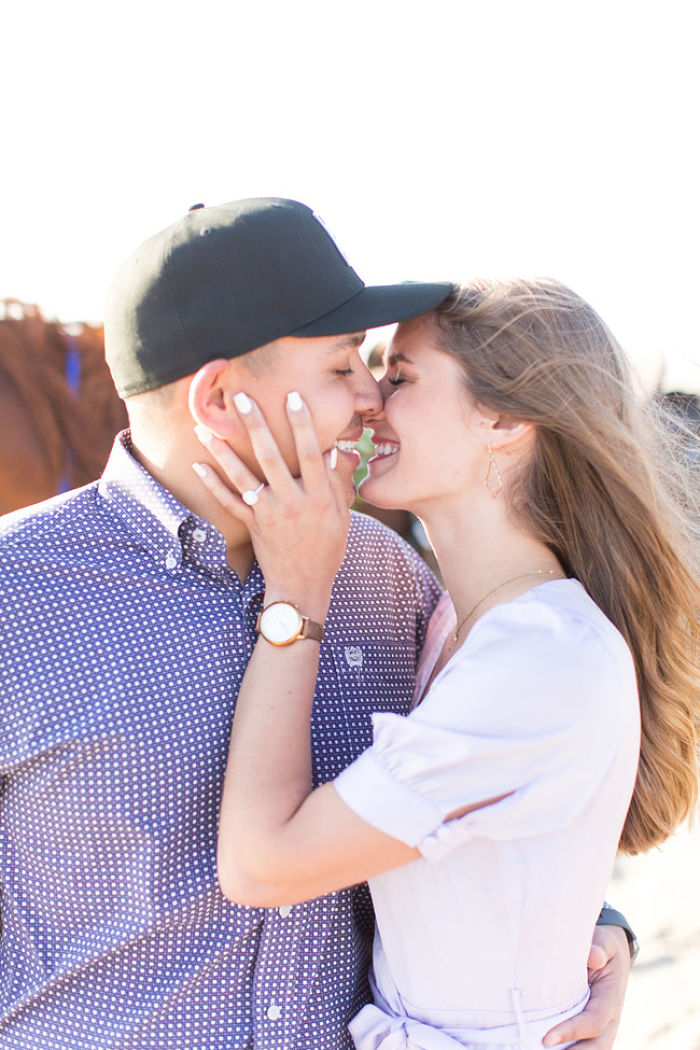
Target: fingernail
<point x="333" y="458"/>
<point x="203" y="434"/>
<point x="200" y="469"/>
<point x="243" y="403"/>
<point x="294" y="402"/>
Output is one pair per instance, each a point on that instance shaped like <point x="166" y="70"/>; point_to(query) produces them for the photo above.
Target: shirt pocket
<point x="373" y="676"/>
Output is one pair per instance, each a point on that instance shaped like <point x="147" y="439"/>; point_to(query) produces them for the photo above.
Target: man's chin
<point x="350" y="491"/>
<point x="345" y="473"/>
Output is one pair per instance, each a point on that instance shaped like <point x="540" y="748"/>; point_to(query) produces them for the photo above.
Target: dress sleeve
<point x="518" y="712"/>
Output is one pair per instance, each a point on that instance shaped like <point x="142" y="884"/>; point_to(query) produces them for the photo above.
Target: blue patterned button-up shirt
<point x="125" y="637"/>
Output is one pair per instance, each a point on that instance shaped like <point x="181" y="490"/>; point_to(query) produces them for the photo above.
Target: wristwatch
<point x="610" y="917"/>
<point x="281" y="623"/>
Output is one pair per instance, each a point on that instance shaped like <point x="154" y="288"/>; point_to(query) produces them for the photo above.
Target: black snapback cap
<point x="224" y="280"/>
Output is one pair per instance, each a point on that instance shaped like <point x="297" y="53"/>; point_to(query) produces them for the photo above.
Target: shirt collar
<point x="163" y="525"/>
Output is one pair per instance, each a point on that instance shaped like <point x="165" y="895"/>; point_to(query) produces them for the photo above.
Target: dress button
<point x="170" y="561"/>
<point x="274" y="1012"/>
<point x="199" y="535"/>
<point x="285" y="910"/>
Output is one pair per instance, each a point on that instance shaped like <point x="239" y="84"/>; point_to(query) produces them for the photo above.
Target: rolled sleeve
<point x="385" y="801"/>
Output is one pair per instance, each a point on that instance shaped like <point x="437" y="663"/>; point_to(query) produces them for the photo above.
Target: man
<point x="129" y="611"/>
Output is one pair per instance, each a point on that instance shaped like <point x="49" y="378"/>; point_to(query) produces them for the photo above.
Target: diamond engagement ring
<point x="250" y="496"/>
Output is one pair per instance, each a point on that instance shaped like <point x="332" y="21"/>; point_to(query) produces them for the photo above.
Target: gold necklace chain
<point x="523" y="576"/>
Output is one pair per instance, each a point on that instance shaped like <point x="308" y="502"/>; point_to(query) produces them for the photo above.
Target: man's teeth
<point x="380" y="449"/>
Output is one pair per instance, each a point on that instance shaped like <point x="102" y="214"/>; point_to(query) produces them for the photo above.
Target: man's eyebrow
<point x="348" y="342"/>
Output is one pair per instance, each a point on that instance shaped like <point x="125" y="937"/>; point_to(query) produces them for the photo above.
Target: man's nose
<point x="368" y="396"/>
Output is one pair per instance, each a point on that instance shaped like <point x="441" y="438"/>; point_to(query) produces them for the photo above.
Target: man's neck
<point x="171" y="467"/>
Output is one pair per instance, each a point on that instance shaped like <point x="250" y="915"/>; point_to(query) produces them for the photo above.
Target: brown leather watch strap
<point x="310" y="629"/>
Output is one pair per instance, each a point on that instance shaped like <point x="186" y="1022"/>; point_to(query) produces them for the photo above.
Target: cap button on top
<point x="285" y="910"/>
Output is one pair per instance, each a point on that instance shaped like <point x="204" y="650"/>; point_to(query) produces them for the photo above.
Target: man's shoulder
<point x="49" y="524"/>
<point x="384" y="583"/>
<point x="373" y="547"/>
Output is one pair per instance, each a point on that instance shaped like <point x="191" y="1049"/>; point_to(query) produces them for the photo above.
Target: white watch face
<point x="280" y="623"/>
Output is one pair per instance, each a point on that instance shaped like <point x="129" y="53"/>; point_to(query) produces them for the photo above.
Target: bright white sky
<point x="440" y="139"/>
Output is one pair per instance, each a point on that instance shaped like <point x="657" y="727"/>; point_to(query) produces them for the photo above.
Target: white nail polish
<point x="243" y="404"/>
<point x="200" y="469"/>
<point x="333" y="461"/>
<point x="294" y="402"/>
<point x="203" y="434"/>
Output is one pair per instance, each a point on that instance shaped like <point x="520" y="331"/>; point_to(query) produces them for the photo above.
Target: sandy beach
<point x="659" y="893"/>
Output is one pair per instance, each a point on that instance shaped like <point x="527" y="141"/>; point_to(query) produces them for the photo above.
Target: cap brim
<point x="377" y="306"/>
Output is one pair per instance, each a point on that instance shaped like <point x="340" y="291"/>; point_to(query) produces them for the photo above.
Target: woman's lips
<point x="384" y="449"/>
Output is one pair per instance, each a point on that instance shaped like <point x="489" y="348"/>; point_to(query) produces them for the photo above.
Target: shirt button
<point x="274" y="1012"/>
<point x="285" y="910"/>
<point x="199" y="535"/>
<point x="170" y="561"/>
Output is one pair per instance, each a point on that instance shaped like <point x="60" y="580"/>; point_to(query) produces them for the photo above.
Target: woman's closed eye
<point x="396" y="379"/>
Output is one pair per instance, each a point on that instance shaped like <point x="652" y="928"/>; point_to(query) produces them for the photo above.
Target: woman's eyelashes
<point x="396" y="379"/>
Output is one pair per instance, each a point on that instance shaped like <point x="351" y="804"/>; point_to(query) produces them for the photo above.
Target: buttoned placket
<point x="291" y="949"/>
<point x="202" y="545"/>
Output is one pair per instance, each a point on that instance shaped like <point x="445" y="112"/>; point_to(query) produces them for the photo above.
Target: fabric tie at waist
<point x="373" y="1029"/>
<point x="376" y="1029"/>
<point x="386" y="1025"/>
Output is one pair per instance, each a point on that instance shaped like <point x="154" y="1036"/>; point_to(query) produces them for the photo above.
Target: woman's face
<point x="430" y="438"/>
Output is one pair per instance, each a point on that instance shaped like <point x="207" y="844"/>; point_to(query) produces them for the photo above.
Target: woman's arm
<point x="279" y="841"/>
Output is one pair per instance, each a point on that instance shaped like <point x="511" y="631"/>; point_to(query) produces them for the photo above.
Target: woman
<point x="570" y="634"/>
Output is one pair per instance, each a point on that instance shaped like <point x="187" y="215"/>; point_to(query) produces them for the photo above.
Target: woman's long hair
<point x="612" y="491"/>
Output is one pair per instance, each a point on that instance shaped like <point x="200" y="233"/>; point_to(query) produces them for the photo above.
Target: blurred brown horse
<point x="59" y="410"/>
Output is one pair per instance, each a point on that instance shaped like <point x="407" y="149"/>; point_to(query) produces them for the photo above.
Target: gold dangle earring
<point x="493" y="489"/>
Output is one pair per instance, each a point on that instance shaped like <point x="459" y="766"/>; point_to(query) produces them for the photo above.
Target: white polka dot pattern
<point x="125" y="637"/>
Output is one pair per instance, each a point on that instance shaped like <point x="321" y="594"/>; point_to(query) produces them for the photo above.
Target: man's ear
<point x="208" y="399"/>
<point x="506" y="433"/>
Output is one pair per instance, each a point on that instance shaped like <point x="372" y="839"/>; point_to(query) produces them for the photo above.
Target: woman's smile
<point x="421" y="437"/>
<point x="384" y="448"/>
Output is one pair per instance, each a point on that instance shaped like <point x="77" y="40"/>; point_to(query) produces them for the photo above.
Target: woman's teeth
<point x="382" y="449"/>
